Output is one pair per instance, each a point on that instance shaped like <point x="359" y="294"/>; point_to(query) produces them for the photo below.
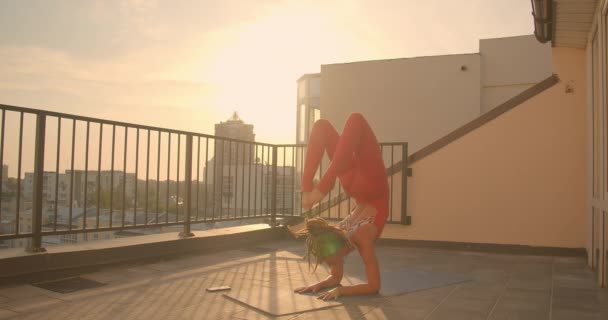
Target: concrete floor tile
<point x="47" y="315"/>
<point x="463" y="308"/>
<point x="334" y="313"/>
<point x="216" y="309"/>
<point x="480" y="293"/>
<point x="518" y="314"/>
<point x="425" y="299"/>
<point x="386" y="313"/>
<point x="5" y="314"/>
<point x="573" y="314"/>
<point x="252" y="314"/>
<point x="21" y="292"/>
<point x="31" y="303"/>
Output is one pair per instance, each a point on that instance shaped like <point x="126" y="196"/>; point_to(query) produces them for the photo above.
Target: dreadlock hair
<point x="323" y="240"/>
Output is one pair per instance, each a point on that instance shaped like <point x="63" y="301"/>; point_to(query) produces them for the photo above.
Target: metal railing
<point x="119" y="176"/>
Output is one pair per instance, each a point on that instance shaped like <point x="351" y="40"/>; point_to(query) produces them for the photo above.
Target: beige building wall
<point x="416" y="100"/>
<point x="511" y="65"/>
<point x="515" y="180"/>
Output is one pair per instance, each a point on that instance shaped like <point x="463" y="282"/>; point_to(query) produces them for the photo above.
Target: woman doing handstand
<point x="356" y="159"/>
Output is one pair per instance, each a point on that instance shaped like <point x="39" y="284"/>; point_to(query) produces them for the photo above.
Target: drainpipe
<point x="542" y="11"/>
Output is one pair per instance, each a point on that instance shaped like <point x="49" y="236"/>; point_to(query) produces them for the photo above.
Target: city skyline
<point x="11" y="151"/>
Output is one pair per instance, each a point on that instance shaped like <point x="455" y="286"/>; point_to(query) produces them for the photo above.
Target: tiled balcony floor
<point x="503" y="287"/>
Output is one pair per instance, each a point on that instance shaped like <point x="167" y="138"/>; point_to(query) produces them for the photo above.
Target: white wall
<point x="417" y="100"/>
<point x="510" y="66"/>
<point x="420" y="100"/>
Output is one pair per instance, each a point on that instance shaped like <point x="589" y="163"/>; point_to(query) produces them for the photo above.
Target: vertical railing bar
<point x="158" y="178"/>
<point x="236" y="178"/>
<point x="269" y="193"/>
<point x="179" y="141"/>
<point x="168" y="175"/>
<point x="86" y="176"/>
<point x="404" y="173"/>
<point x="266" y="195"/>
<point x="382" y="156"/>
<point x="38" y="185"/>
<point x="320" y="176"/>
<point x="243" y="183"/>
<point x="112" y="176"/>
<point x="229" y="176"/>
<point x="19" y="173"/>
<point x="255" y="183"/>
<point x="198" y="168"/>
<point x="99" y="174"/>
<point x="136" y="182"/>
<point x="293" y="180"/>
<point x="273" y="217"/>
<point x="215" y="184"/>
<point x="221" y="179"/>
<point x="249" y="180"/>
<point x="206" y="176"/>
<point x="391" y="196"/>
<point x="283" y="181"/>
<point x="339" y="201"/>
<point x="329" y="200"/>
<point x="2" y="159"/>
<point x="2" y="156"/>
<point x="262" y="182"/>
<point x="301" y="175"/>
<point x="188" y="186"/>
<point x="348" y="197"/>
<point x="56" y="170"/>
<point x="72" y="174"/>
<point x="262" y="159"/>
<point x="147" y="179"/>
<point x="124" y="179"/>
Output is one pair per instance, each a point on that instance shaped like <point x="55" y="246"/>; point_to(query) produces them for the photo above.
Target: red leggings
<point x="356" y="160"/>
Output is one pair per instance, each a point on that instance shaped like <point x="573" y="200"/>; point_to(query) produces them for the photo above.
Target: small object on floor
<point x="220" y="288"/>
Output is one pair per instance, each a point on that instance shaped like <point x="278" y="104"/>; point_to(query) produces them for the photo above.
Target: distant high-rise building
<point x="229" y="155"/>
<point x="231" y="152"/>
<point x="242" y="184"/>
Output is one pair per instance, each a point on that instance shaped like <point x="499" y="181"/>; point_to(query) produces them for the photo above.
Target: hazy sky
<point x="187" y="64"/>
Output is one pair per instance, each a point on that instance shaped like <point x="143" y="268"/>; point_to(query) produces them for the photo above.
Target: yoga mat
<point x="281" y="301"/>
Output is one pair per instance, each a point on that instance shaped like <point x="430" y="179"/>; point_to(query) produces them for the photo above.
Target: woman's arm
<point x="337" y="271"/>
<point x="364" y="238"/>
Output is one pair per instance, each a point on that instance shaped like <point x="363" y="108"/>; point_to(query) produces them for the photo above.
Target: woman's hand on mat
<point x="332" y="294"/>
<point x="313" y="288"/>
<point x="309" y="199"/>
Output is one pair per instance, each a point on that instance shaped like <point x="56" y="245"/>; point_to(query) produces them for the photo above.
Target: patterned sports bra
<point x="350" y="224"/>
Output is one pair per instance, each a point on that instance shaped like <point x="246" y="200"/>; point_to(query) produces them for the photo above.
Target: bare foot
<point x="309" y="199"/>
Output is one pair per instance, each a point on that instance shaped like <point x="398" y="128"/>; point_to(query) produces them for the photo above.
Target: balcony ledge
<point x="16" y="263"/>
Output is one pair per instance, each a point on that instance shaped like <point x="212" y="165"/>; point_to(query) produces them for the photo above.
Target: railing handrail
<point x="123" y="124"/>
